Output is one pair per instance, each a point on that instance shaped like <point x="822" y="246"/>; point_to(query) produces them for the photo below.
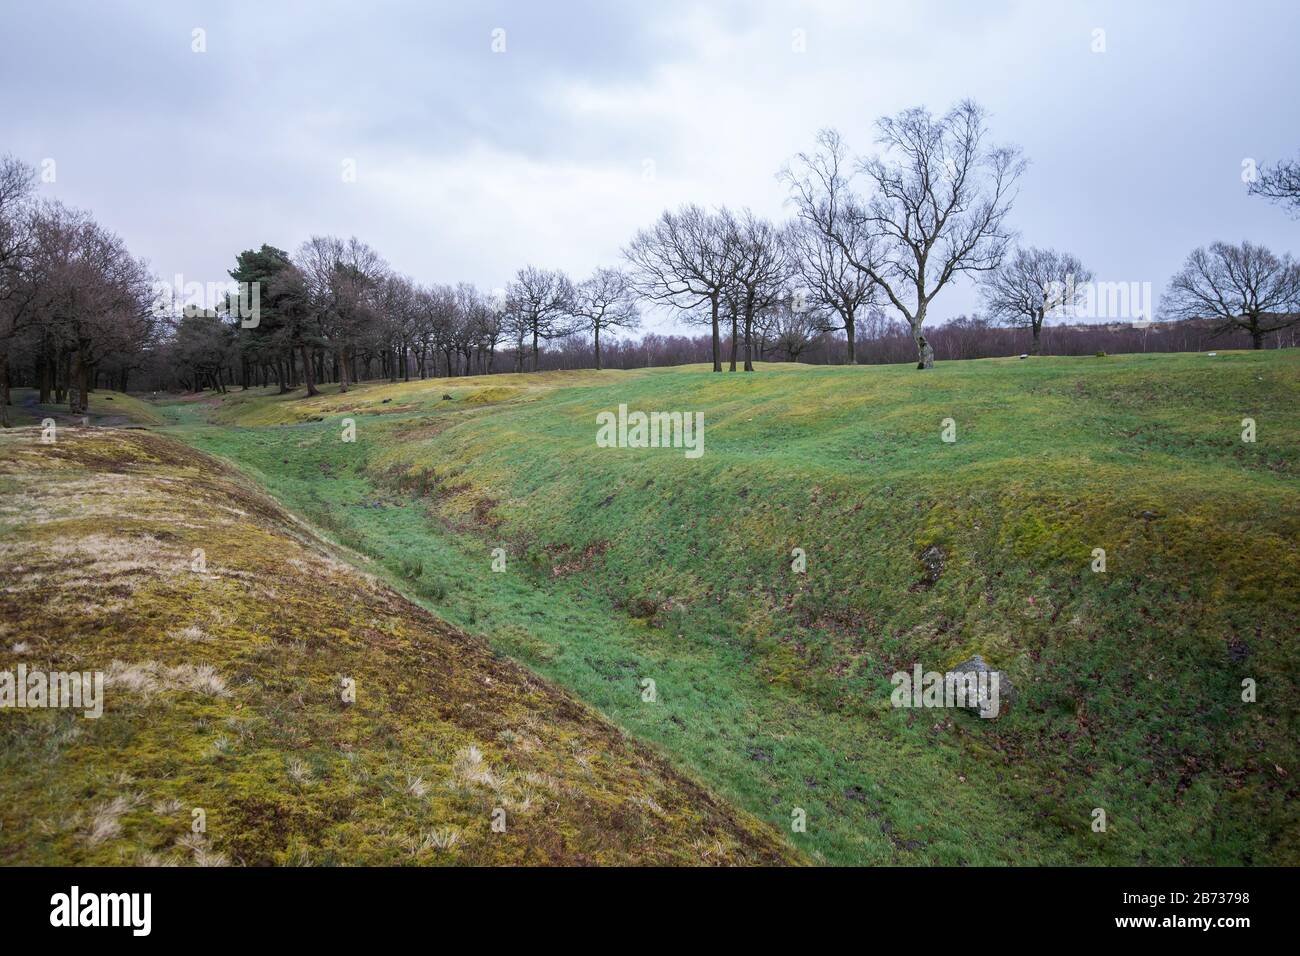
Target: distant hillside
<point x="225" y="696"/>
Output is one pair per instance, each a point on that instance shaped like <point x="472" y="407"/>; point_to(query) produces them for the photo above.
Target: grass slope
<point x="774" y="686"/>
<point x="225" y="694"/>
<point x="106" y="407"/>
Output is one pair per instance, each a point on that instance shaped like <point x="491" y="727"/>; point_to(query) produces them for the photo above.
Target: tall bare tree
<point x="86" y="299"/>
<point x="489" y="329"/>
<point x="343" y="276"/>
<point x="833" y="291"/>
<point x="683" y="260"/>
<point x="17" y="183"/>
<point x="1032" y="284"/>
<point x="1281" y="183"/>
<point x="439" y="315"/>
<point x="760" y="270"/>
<point x="605" y="301"/>
<point x="397" y="316"/>
<point x="827" y="243"/>
<point x="1245" y="287"/>
<point x="539" y="302"/>
<point x="937" y="207"/>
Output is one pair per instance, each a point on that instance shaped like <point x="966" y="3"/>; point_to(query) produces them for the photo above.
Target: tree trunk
<point x="924" y="350"/>
<point x="4" y="390"/>
<point x="749" y="339"/>
<point x="851" y="332"/>
<point x="341" y="360"/>
<point x="308" y="378"/>
<point x="46" y="366"/>
<point x="82" y="386"/>
<point x="732" y="364"/>
<point x="71" y="372"/>
<point x="1038" y="330"/>
<point x="1256" y="339"/>
<point x="717" y="339"/>
<point x="597" y="329"/>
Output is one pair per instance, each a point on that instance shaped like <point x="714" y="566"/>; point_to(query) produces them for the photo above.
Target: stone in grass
<point x="994" y="693"/>
<point x="934" y="559"/>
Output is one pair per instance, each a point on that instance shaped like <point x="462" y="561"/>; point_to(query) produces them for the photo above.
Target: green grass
<point x="224" y="692"/>
<point x="773" y="687"/>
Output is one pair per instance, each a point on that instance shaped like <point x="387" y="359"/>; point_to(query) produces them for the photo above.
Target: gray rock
<point x="996" y="693"/>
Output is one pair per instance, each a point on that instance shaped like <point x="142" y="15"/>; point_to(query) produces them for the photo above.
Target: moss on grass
<point x="225" y="695"/>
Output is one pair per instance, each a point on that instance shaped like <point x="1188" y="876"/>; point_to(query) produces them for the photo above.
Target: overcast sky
<point x="470" y="163"/>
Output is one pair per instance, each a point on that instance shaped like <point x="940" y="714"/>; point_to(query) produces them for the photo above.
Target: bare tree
<point x="605" y="301"/>
<point x="471" y="305"/>
<point x="86" y="299"/>
<point x="1031" y="285"/>
<point x="423" y="331"/>
<point x="682" y="261"/>
<point x="760" y="268"/>
<point x="396" y="317"/>
<point x="539" y="301"/>
<point x="834" y="292"/>
<point x="489" y="327"/>
<point x="342" y="276"/>
<point x="439" y="315"/>
<point x="826" y="241"/>
<point x="1280" y="183"/>
<point x="791" y="328"/>
<point x="938" y="205"/>
<point x="1244" y="287"/>
<point x="17" y="182"/>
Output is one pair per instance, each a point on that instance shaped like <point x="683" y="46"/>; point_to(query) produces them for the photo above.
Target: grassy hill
<point x="774" y="687"/>
<point x="224" y="695"/>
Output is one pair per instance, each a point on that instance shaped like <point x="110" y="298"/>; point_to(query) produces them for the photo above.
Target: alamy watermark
<point x="37" y="689"/>
<point x="240" y="299"/>
<point x="968" y="689"/>
<point x="1131" y="302"/>
<point x="651" y="430"/>
<point x="75" y="908"/>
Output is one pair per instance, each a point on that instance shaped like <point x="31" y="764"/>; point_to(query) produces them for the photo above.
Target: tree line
<point x="886" y="340"/>
<point x="871" y="243"/>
